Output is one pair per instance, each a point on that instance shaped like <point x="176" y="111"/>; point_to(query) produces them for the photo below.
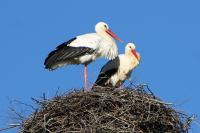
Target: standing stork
<point x="116" y="71"/>
<point x="84" y="49"/>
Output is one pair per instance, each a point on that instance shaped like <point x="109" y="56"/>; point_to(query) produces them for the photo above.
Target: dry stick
<point x="45" y="124"/>
<point x="28" y="105"/>
<point x="20" y="116"/>
<point x="10" y="127"/>
<point x="117" y="118"/>
<point x="189" y="121"/>
<point x="166" y="103"/>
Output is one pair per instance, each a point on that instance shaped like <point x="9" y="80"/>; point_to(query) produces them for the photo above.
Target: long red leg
<point x="85" y="78"/>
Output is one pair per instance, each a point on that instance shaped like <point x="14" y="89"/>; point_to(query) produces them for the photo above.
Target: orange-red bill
<point x="113" y="35"/>
<point x="135" y="54"/>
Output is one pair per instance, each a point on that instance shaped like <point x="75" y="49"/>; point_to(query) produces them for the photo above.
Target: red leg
<point x="85" y="78"/>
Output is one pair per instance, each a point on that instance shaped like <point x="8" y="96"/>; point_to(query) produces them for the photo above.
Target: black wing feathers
<point x="64" y="52"/>
<point x="58" y="48"/>
<point x="65" y="43"/>
<point x="72" y="52"/>
<point x="109" y="69"/>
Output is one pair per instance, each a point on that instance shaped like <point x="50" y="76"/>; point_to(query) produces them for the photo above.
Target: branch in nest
<point x="10" y="126"/>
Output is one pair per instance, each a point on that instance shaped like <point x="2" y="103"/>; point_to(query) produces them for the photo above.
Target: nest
<point x="105" y="110"/>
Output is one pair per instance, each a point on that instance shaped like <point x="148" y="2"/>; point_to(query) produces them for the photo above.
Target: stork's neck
<point x="129" y="55"/>
<point x="107" y="47"/>
<point x="105" y="35"/>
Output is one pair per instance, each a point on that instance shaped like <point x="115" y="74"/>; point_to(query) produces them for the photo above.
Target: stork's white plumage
<point x="84" y="49"/>
<point x="116" y="71"/>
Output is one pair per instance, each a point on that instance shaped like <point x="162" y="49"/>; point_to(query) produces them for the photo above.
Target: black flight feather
<point x="108" y="70"/>
<point x="64" y="53"/>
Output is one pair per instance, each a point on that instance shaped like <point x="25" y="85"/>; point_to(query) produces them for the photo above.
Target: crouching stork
<point x="115" y="72"/>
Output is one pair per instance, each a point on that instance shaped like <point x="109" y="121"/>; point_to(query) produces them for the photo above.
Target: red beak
<point x="113" y="35"/>
<point x="135" y="54"/>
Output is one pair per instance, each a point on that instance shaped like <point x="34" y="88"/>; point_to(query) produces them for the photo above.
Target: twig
<point x="10" y="127"/>
<point x="18" y="114"/>
<point x="189" y="121"/>
<point x="45" y="124"/>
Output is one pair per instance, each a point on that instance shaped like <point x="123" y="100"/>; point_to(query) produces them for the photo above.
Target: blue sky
<point x="166" y="34"/>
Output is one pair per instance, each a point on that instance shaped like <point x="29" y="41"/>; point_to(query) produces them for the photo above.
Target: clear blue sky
<point x="165" y="32"/>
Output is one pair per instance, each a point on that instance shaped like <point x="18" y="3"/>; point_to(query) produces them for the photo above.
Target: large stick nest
<point x="105" y="110"/>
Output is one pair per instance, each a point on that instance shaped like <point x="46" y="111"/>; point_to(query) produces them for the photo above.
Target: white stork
<point x="115" y="72"/>
<point x="84" y="49"/>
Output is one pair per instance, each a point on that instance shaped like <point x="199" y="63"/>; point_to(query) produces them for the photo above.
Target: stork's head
<point x="130" y="49"/>
<point x="102" y="27"/>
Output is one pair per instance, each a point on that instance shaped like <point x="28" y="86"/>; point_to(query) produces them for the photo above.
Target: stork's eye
<point x="105" y="26"/>
<point x="130" y="47"/>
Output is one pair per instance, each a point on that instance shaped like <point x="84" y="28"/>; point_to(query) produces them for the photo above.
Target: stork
<point x="84" y="49"/>
<point x="115" y="72"/>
